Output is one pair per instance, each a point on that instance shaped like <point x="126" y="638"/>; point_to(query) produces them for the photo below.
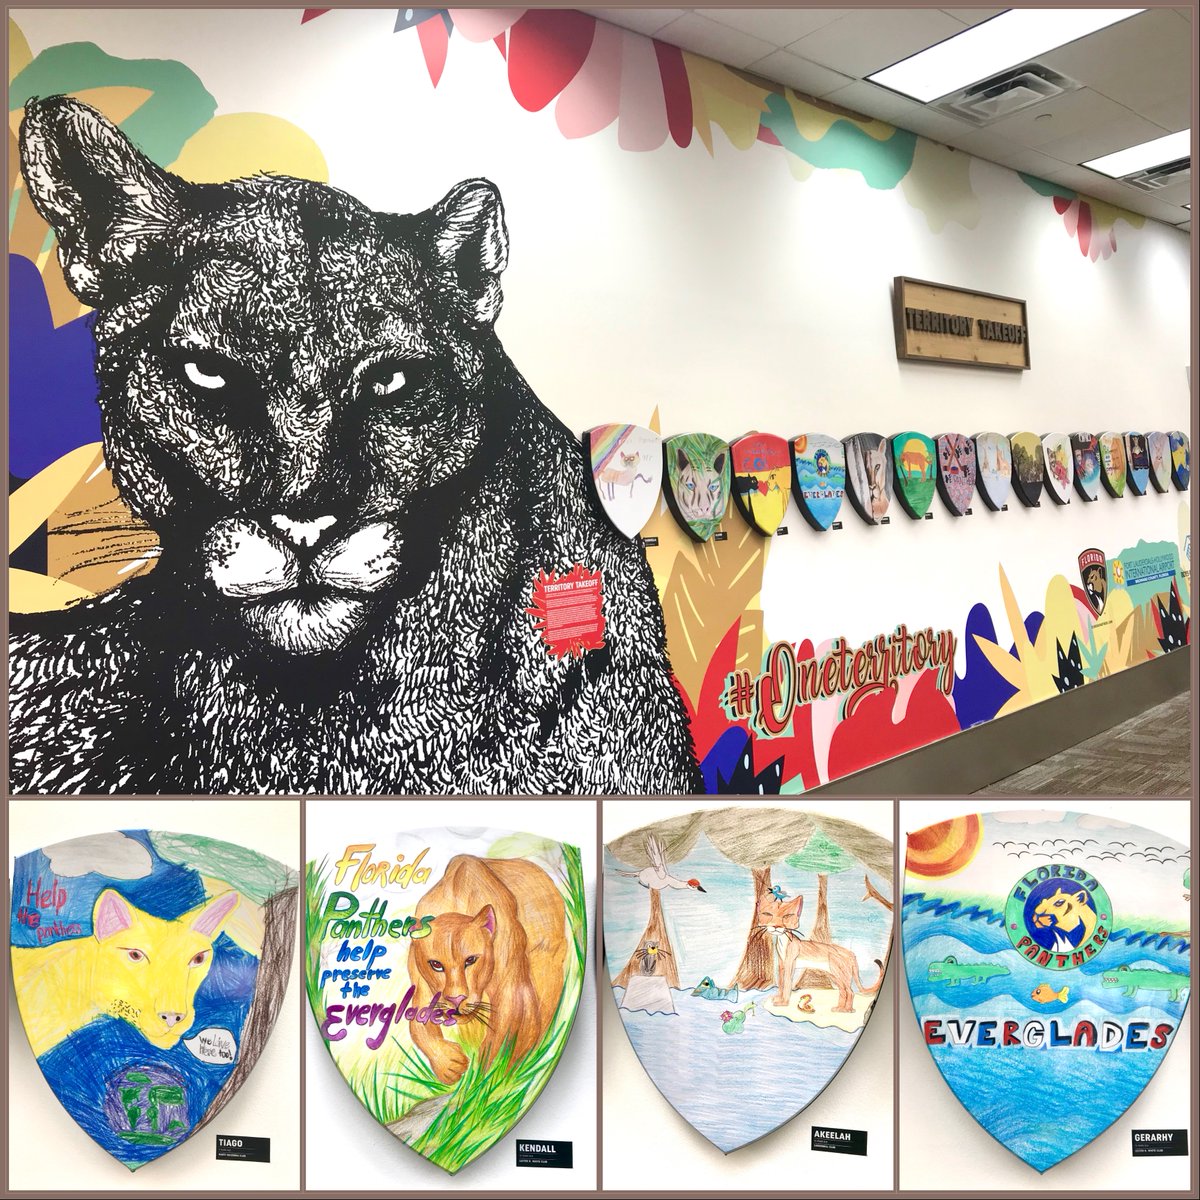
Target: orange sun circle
<point x="945" y="848"/>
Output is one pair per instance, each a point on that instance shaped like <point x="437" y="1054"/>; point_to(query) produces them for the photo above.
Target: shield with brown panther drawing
<point x="1093" y="571"/>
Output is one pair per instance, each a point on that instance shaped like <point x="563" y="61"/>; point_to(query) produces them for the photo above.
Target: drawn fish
<point x="1045" y="994"/>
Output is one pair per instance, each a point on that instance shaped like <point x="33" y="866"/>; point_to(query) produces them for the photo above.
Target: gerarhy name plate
<point x="938" y="323"/>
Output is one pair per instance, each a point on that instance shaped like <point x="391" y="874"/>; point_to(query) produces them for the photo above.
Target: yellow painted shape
<point x="238" y="145"/>
<point x="19" y="54"/>
<point x="939" y="185"/>
<point x="722" y="97"/>
<point x="31" y="505"/>
<point x="136" y="967"/>
<point x="29" y="592"/>
<point x="813" y="122"/>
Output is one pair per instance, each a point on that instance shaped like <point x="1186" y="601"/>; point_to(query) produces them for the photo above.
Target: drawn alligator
<point x="951" y="971"/>
<point x="707" y="990"/>
<point x="1148" y="977"/>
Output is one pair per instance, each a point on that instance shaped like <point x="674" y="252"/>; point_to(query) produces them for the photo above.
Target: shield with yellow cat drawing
<point x="1047" y="954"/>
<point x="746" y="947"/>
<point x="444" y="969"/>
<point x="149" y="968"/>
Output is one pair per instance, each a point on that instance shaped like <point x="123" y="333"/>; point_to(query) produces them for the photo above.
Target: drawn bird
<point x="656" y="876"/>
<point x="778" y="893"/>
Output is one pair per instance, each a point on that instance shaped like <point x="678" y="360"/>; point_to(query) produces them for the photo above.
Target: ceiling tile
<point x="868" y="100"/>
<point x="1173" y="114"/>
<point x="640" y="20"/>
<point x="972" y="16"/>
<point x="1141" y="62"/>
<point x="1077" y="112"/>
<point x="1185" y="13"/>
<point x="1101" y="138"/>
<point x="867" y="40"/>
<point x="785" y="67"/>
<point x="779" y="26"/>
<point x="702" y="36"/>
<point x="1031" y="162"/>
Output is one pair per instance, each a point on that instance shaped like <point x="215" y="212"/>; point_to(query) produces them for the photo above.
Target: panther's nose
<point x="302" y="533"/>
<point x="170" y="1019"/>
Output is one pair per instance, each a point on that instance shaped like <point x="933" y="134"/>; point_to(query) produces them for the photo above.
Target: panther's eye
<point x="198" y="960"/>
<point x="209" y="380"/>
<point x="437" y="966"/>
<point x="135" y="955"/>
<point x="389" y="386"/>
<point x="470" y="960"/>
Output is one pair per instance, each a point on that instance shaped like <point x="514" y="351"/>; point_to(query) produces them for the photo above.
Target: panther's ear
<point x="107" y="202"/>
<point x="470" y="242"/>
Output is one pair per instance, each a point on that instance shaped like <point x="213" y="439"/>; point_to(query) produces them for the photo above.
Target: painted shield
<point x="993" y="468"/>
<point x="869" y="475"/>
<point x="1029" y="468"/>
<point x="1181" y="459"/>
<point x="1056" y="452"/>
<point x="762" y="479"/>
<point x="1158" y="448"/>
<point x="914" y="457"/>
<point x="745" y="958"/>
<point x="1137" y="460"/>
<point x="444" y="968"/>
<point x="1112" y="463"/>
<point x="626" y="465"/>
<point x="1085" y="456"/>
<point x="696" y="482"/>
<point x="149" y="968"/>
<point x="956" y="471"/>
<point x="1093" y="572"/>
<point x="818" y="477"/>
<point x="1047" y="957"/>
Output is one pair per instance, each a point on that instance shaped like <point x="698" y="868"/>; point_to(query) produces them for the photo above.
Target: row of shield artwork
<point x="700" y="474"/>
<point x="1047" y="953"/>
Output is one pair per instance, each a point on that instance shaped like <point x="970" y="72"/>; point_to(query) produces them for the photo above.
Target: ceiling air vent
<point x="1006" y="93"/>
<point x="1153" y="178"/>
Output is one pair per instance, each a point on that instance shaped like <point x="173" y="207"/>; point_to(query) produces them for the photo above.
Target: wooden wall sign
<point x="1137" y="463"/>
<point x="1158" y="446"/>
<point x="1085" y="450"/>
<point x="938" y="323"/>
<point x="993" y="459"/>
<point x="1029" y="468"/>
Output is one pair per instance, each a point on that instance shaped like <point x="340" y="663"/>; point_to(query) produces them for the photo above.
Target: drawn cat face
<point x="291" y="385"/>
<point x="700" y="488"/>
<point x="629" y="461"/>
<point x="458" y="958"/>
<point x="778" y="916"/>
<point x="146" y="970"/>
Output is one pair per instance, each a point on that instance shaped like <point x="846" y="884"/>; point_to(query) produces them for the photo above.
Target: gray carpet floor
<point x="1148" y="755"/>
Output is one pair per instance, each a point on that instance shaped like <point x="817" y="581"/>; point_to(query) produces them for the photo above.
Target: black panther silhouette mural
<point x="354" y="490"/>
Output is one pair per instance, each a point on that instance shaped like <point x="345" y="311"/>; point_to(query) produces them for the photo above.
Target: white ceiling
<point x="1136" y="79"/>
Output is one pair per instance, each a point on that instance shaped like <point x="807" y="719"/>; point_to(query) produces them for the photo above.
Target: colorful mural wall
<point x="801" y="657"/>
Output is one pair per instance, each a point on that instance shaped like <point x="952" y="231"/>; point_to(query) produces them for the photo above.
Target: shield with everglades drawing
<point x="149" y="968"/>
<point x="1047" y="955"/>
<point x="746" y="947"/>
<point x="444" y="968"/>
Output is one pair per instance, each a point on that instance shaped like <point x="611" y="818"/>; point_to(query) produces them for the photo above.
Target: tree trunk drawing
<point x="820" y="933"/>
<point x="274" y="966"/>
<point x="872" y="894"/>
<point x="656" y="931"/>
<point x="757" y="968"/>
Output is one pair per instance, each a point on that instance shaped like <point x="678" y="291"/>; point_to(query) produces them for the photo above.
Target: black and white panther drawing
<point x="308" y="402"/>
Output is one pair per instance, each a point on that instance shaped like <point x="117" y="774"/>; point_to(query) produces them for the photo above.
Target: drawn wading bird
<point x="656" y="876"/>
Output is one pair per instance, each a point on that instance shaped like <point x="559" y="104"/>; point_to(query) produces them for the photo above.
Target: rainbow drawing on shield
<point x="626" y="466"/>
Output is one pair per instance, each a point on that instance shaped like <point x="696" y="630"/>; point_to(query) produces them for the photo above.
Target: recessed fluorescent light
<point x="1149" y="154"/>
<point x="1013" y="37"/>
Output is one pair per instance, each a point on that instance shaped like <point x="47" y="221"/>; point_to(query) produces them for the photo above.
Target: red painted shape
<point x="311" y="14"/>
<point x="677" y="92"/>
<point x="868" y="735"/>
<point x="798" y="755"/>
<point x="1061" y="204"/>
<point x="1084" y="229"/>
<point x="768" y="136"/>
<point x="546" y="48"/>
<point x="501" y="45"/>
<point x="435" y="43"/>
